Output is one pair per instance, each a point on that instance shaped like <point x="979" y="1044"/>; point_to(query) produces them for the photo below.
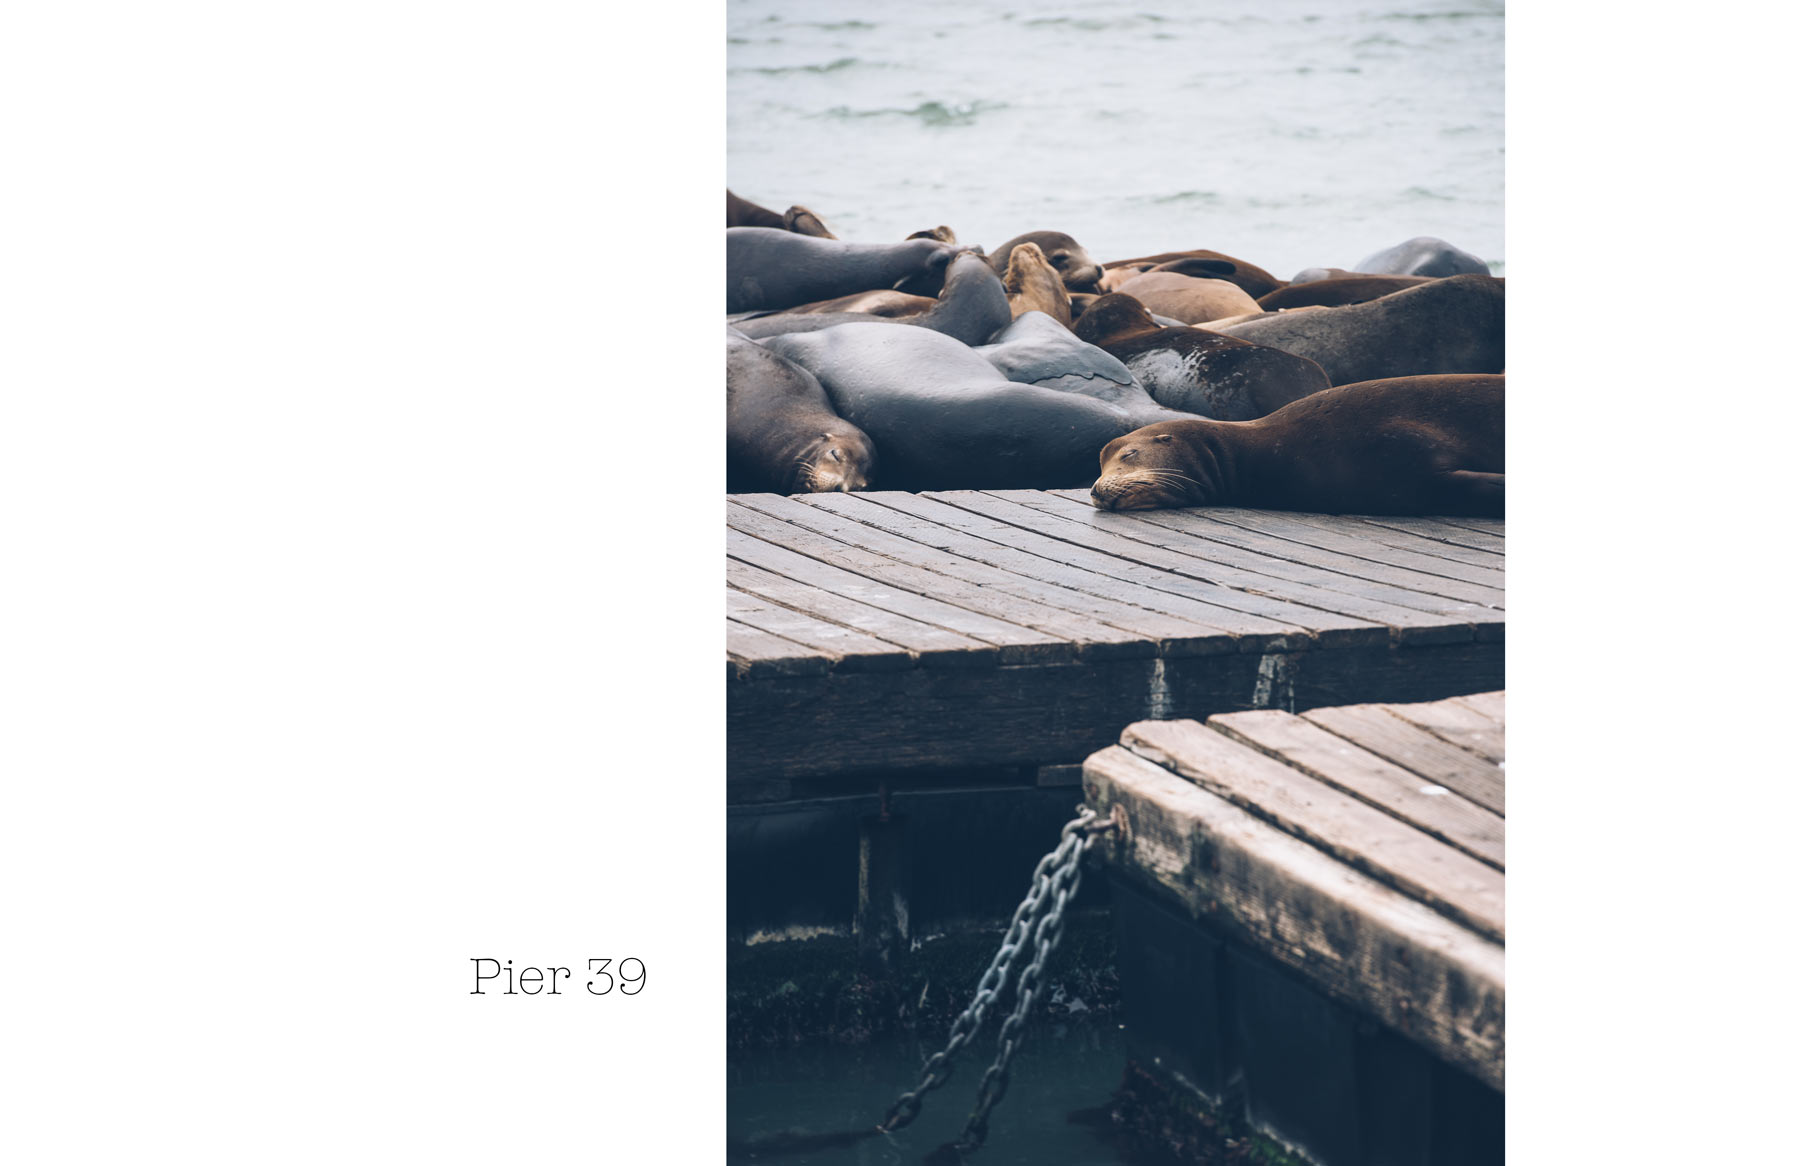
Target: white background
<point x="360" y="492"/>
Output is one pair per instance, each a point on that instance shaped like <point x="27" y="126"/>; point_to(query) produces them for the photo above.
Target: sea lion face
<point x="1145" y="470"/>
<point x="1033" y="285"/>
<point x="836" y="461"/>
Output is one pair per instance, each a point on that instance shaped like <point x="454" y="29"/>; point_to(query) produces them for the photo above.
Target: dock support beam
<point x="883" y="932"/>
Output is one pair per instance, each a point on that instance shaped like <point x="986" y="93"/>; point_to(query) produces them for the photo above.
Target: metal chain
<point x="1038" y="924"/>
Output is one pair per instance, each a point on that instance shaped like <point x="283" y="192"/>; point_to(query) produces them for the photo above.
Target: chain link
<point x="1037" y="925"/>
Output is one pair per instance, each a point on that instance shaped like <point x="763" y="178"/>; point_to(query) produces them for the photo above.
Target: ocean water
<point x="1290" y="133"/>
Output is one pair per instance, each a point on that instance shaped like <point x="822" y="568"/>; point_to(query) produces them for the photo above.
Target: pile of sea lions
<point x="1187" y="378"/>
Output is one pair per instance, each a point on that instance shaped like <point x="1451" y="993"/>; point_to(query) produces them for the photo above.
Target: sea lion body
<point x="1194" y="370"/>
<point x="972" y="307"/>
<point x="1406" y="445"/>
<point x="1036" y="350"/>
<point x="1187" y="298"/>
<point x="1334" y="293"/>
<point x="768" y="269"/>
<point x="741" y="212"/>
<point x="888" y="303"/>
<point x="1423" y="255"/>
<point x="1451" y="325"/>
<point x="945" y="418"/>
<point x="1253" y="279"/>
<point x="781" y="432"/>
<point x="1070" y="259"/>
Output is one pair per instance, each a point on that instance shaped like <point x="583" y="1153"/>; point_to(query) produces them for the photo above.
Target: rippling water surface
<point x="1287" y="132"/>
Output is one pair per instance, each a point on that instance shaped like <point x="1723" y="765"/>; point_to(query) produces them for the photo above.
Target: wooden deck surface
<point x="890" y="631"/>
<point x="1362" y="847"/>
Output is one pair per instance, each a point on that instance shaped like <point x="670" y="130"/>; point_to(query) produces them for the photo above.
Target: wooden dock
<point x="1311" y="919"/>
<point x="887" y="632"/>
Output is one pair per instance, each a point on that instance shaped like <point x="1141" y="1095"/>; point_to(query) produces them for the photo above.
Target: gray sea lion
<point x="1457" y="324"/>
<point x="945" y="418"/>
<point x="972" y="307"/>
<point x="888" y="303"/>
<point x="1188" y="299"/>
<point x="1195" y="370"/>
<point x="781" y="432"/>
<point x="1079" y="272"/>
<point x="771" y="269"/>
<point x="1407" y="445"/>
<point x="1037" y="350"/>
<point x="1423" y="255"/>
<point x="741" y="212"/>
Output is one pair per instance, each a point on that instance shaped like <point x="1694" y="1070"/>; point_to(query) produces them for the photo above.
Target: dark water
<point x="1062" y="1070"/>
<point x="1291" y="133"/>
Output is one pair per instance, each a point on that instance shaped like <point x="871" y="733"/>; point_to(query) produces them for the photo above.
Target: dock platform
<point x="1311" y="920"/>
<point x="888" y="632"/>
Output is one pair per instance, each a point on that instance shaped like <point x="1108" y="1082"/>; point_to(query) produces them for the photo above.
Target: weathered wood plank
<point x="931" y="645"/>
<point x="1302" y="745"/>
<point x="845" y="723"/>
<point x="1208" y="606"/>
<point x="1163" y="540"/>
<point x="1358" y="940"/>
<point x="963" y="582"/>
<point x="1351" y="830"/>
<point x="1016" y="644"/>
<point x="1402" y="567"/>
<point x="1492" y="704"/>
<point x="1260" y="544"/>
<point x="1440" y="531"/>
<point x="1459" y="723"/>
<point x="1380" y="732"/>
<point x="1362" y="528"/>
<point x="845" y="648"/>
<point x="751" y="653"/>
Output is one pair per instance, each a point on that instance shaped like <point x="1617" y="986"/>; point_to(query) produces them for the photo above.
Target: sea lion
<point x="972" y="307"/>
<point x="1332" y="293"/>
<point x="1253" y="279"/>
<point x="940" y="233"/>
<point x="1033" y="285"/>
<point x="1195" y="370"/>
<point x="1187" y="299"/>
<point x="771" y="269"/>
<point x="741" y="212"/>
<point x="1079" y="272"/>
<point x="891" y="304"/>
<point x="1457" y="324"/>
<point x="944" y="418"/>
<point x="781" y="432"/>
<point x="1423" y="255"/>
<point x="1405" y="445"/>
<point x="1037" y="350"/>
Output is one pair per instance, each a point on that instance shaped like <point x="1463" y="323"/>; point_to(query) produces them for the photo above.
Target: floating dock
<point x="1310" y="913"/>
<point x="952" y="657"/>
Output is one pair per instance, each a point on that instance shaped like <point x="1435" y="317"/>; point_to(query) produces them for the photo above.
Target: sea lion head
<point x="804" y="222"/>
<point x="941" y="234"/>
<point x="1114" y="317"/>
<point x="1070" y="259"/>
<point x="1151" y="468"/>
<point x="841" y="459"/>
<point x="1032" y="285"/>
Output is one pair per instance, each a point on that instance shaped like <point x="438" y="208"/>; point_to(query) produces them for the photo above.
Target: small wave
<point x="1422" y="192"/>
<point x="841" y="26"/>
<point x="784" y="70"/>
<point x="1185" y="197"/>
<point x="1306" y="69"/>
<point x="931" y="113"/>
<point x="1421" y="17"/>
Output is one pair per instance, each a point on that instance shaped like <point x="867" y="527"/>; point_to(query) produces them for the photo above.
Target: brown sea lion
<point x="1194" y="370"/>
<point x="1079" y="272"/>
<point x="781" y="432"/>
<point x="941" y="234"/>
<point x="741" y="212"/>
<point x="1033" y="285"/>
<point x="1248" y="276"/>
<point x="1455" y="324"/>
<point x="1187" y="299"/>
<point x="1407" y="445"/>
<point x="1331" y="293"/>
